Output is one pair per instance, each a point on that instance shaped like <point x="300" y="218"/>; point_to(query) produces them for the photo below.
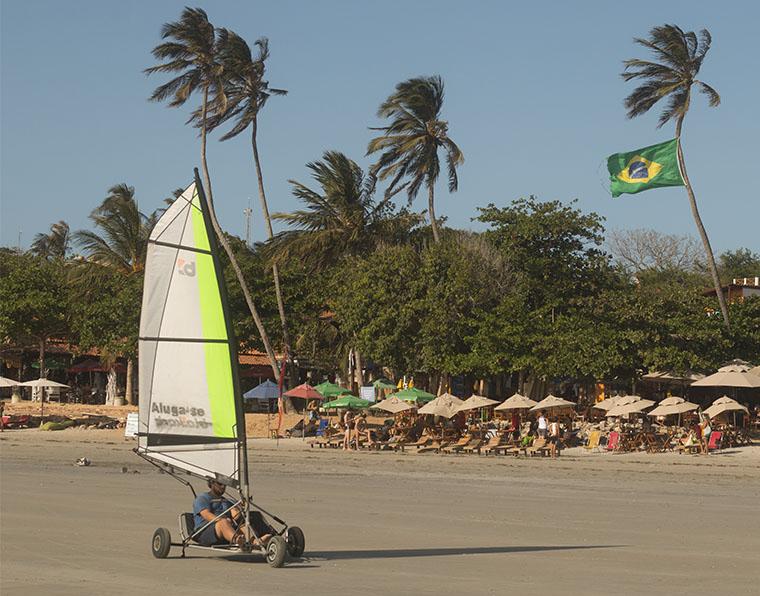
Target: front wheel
<point x="277" y="550"/>
<point x="296" y="541"/>
<point x="162" y="542"/>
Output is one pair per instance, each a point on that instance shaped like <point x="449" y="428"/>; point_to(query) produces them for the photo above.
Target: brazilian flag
<point x="650" y="167"/>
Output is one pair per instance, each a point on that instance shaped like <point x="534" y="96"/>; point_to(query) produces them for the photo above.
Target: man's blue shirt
<point x="213" y="503"/>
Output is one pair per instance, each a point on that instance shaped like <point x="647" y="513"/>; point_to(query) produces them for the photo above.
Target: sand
<point x="387" y="523"/>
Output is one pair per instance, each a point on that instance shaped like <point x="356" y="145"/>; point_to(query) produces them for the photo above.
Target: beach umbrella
<point x="755" y="371"/>
<point x="383" y="384"/>
<point x="684" y="377"/>
<point x="445" y="405"/>
<point x="725" y="404"/>
<point x="327" y="389"/>
<point x="266" y="390"/>
<point x="347" y="401"/>
<point x="607" y="404"/>
<point x="393" y="405"/>
<point x="304" y="391"/>
<point x="673" y="405"/>
<point x="413" y="394"/>
<point x="730" y="376"/>
<point x="5" y="382"/>
<point x="634" y="407"/>
<point x="39" y="383"/>
<point x="475" y="402"/>
<point x="551" y="402"/>
<point x="516" y="402"/>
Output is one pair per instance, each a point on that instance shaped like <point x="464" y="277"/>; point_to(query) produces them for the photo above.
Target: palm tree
<point x="119" y="246"/>
<point x="192" y="50"/>
<point x="680" y="55"/>
<point x="409" y="144"/>
<point x="340" y="220"/>
<point x="54" y="245"/>
<point x="247" y="92"/>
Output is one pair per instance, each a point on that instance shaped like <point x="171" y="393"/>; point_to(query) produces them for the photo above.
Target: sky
<point x="533" y="98"/>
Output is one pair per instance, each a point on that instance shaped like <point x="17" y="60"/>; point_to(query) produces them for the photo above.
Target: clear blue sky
<point x="533" y="98"/>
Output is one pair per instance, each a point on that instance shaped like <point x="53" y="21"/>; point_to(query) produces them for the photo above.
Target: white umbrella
<point x="516" y="402"/>
<point x="444" y="405"/>
<point x="394" y="405"/>
<point x="552" y="402"/>
<point x="669" y="375"/>
<point x="475" y="402"/>
<point x="633" y="407"/>
<point x="42" y="383"/>
<point x="607" y="404"/>
<point x="730" y="376"/>
<point x="673" y="408"/>
<point x="5" y="382"/>
<point x="725" y="404"/>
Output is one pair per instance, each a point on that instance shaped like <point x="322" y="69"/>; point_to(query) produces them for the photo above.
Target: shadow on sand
<point x="336" y="555"/>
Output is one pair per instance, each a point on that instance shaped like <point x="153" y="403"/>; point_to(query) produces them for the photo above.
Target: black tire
<point x="296" y="542"/>
<point x="277" y="550"/>
<point x="162" y="542"/>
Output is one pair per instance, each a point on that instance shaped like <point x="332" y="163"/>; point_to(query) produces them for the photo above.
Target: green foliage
<point x="32" y="297"/>
<point x="738" y="263"/>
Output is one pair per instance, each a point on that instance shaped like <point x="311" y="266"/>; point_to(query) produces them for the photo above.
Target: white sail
<point x="190" y="414"/>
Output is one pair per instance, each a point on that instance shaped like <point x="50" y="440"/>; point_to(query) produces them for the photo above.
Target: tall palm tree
<point x="54" y="245"/>
<point x="679" y="57"/>
<point x="409" y="144"/>
<point x="192" y="50"/>
<point x="341" y="219"/>
<point x="247" y="92"/>
<point x="119" y="245"/>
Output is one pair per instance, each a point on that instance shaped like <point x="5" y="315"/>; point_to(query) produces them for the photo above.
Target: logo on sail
<point x="186" y="267"/>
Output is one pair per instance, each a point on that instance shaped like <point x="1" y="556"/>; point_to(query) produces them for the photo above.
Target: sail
<point x="190" y="415"/>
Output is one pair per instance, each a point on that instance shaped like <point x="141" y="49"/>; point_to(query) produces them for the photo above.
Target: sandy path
<point x="383" y="523"/>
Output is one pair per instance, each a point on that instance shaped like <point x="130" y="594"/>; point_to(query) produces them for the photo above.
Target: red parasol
<point x="304" y="391"/>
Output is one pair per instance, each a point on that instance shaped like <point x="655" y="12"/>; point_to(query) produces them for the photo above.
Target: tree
<point x="117" y="247"/>
<point x="741" y="262"/>
<point x="409" y="144"/>
<point x="341" y="219"/>
<point x="193" y="51"/>
<point x="649" y="250"/>
<point x="32" y="300"/>
<point x="54" y="245"/>
<point x="680" y="56"/>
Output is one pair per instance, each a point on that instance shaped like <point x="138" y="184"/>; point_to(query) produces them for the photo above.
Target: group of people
<point x="354" y="428"/>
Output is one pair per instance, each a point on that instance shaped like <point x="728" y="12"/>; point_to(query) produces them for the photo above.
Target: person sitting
<point x="361" y="428"/>
<point x="227" y="528"/>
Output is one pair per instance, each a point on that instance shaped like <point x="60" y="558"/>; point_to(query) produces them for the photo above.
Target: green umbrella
<point x="328" y="389"/>
<point x="347" y="401"/>
<point x="414" y="394"/>
<point x="383" y="384"/>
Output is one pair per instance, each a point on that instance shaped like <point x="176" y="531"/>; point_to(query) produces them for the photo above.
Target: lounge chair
<point x="613" y="441"/>
<point x="493" y="445"/>
<point x="458" y="446"/>
<point x="593" y="440"/>
<point x="539" y="447"/>
<point x="716" y="440"/>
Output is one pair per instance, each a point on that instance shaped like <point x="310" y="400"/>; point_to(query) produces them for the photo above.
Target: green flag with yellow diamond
<point x="650" y="167"/>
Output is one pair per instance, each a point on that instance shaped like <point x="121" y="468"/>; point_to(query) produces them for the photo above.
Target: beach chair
<point x="716" y="440"/>
<point x="492" y="446"/>
<point x="322" y="426"/>
<point x="593" y="440"/>
<point x="613" y="441"/>
<point x="539" y="447"/>
<point x="458" y="446"/>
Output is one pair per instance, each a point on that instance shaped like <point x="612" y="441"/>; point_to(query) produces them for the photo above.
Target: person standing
<point x="348" y="425"/>
<point x="2" y="411"/>
<point x="554" y="437"/>
<point x="542" y="425"/>
<point x="706" y="431"/>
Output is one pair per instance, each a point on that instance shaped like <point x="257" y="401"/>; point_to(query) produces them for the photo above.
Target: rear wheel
<point x="296" y="542"/>
<point x="162" y="542"/>
<point x="277" y="550"/>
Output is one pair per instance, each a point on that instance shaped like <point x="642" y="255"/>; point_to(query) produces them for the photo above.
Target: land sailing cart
<point x="191" y="420"/>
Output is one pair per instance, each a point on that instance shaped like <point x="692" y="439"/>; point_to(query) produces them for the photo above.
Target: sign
<point x="130" y="430"/>
<point x="367" y="393"/>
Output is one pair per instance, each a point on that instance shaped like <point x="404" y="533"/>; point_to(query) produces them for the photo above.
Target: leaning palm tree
<point x="192" y="49"/>
<point x="118" y="245"/>
<point x="54" y="245"/>
<point x="340" y="220"/>
<point x="409" y="144"/>
<point x="679" y="57"/>
<point x="247" y="92"/>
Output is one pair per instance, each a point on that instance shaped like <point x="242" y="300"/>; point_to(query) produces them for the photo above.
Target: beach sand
<point x="387" y="523"/>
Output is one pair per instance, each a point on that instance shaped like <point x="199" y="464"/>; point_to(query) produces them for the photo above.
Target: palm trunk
<point x="275" y="268"/>
<point x="701" y="229"/>
<point x="42" y="376"/>
<point x="111" y="387"/>
<point x="128" y="384"/>
<point x="223" y="241"/>
<point x="431" y="213"/>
